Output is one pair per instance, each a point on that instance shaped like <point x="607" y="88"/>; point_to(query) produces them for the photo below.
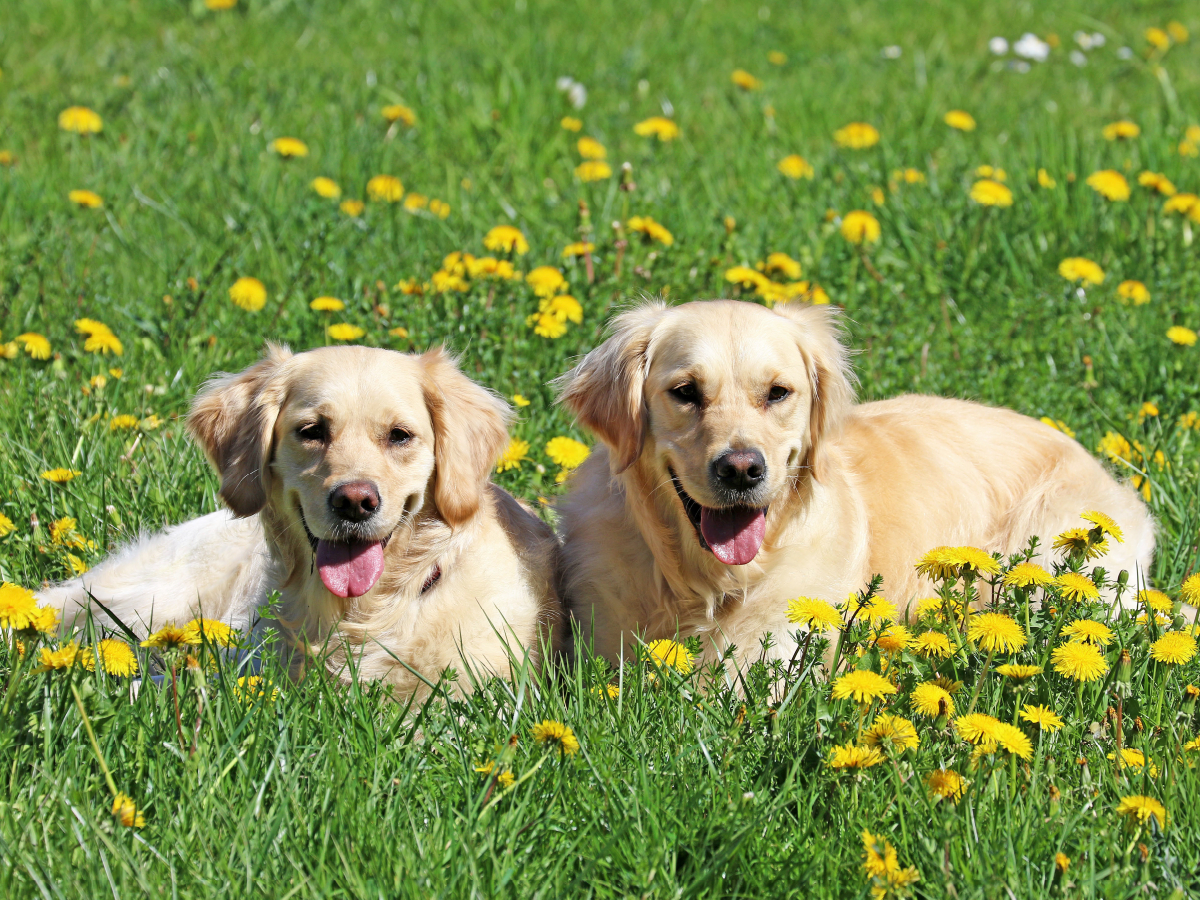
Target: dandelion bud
<point x="1062" y="862"/>
<point x="1123" y="578"/>
<point x="1123" y="686"/>
<point x="1055" y="796"/>
<point x="1190" y="694"/>
<point x="627" y="182"/>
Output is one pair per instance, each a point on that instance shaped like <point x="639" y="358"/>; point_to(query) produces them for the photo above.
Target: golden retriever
<point x="358" y="481"/>
<point x="737" y="473"/>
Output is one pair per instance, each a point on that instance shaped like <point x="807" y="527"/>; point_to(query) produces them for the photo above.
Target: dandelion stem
<point x="112" y="785"/>
<point x="979" y="680"/>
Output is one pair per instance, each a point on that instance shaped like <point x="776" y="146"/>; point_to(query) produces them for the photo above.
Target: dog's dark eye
<point x="399" y="436"/>
<point x="313" y="432"/>
<point x="778" y="392"/>
<point x="685" y="393"/>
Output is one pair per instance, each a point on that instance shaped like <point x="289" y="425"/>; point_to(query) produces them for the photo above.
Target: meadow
<point x="1015" y="224"/>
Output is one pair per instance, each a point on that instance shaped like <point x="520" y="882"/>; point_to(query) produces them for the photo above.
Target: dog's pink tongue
<point x="734" y="535"/>
<point x="350" y="570"/>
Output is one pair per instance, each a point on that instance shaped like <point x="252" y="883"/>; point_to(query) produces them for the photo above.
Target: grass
<point x="681" y="787"/>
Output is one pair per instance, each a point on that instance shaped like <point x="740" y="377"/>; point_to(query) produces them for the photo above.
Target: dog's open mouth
<point x="347" y="568"/>
<point x="733" y="534"/>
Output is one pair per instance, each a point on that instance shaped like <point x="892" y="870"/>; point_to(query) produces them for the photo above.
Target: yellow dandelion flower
<point x="782" y="264"/>
<point x="545" y="281"/>
<point x="876" y="610"/>
<point x="35" y="344"/>
<point x="1028" y="574"/>
<point x="593" y="170"/>
<point x="104" y="343"/>
<point x="959" y="120"/>
<point x="18" y="608"/>
<point x="1122" y="130"/>
<point x="1184" y="204"/>
<point x="1156" y="600"/>
<point x="856" y="136"/>
<point x="1077" y="587"/>
<point x="1177" y="334"/>
<point x="1109" y="184"/>
<point x="1135" y="291"/>
<point x="547" y="326"/>
<point x="519" y="400"/>
<point x="516" y="452"/>
<point x="570" y="123"/>
<point x="888" y="879"/>
<point x="91" y="326"/>
<point x="1177" y="31"/>
<point x="776" y="58"/>
<point x="852" y="756"/>
<point x="862" y="686"/>
<point x="1105" y="523"/>
<point x="1141" y="809"/>
<point x="1018" y="672"/>
<point x="891" y="733"/>
<point x="579" y="248"/>
<point x="932" y="700"/>
<point x="80" y="120"/>
<point x="439" y="208"/>
<point x="398" y="112"/>
<point x="117" y="658"/>
<point x="860" y="227"/>
<point x="590" y="148"/>
<point x="344" y="331"/>
<point x="211" y="630"/>
<point x="977" y="728"/>
<point x="220" y="5"/>
<point x="123" y="807"/>
<point x="991" y="172"/>
<point x="326" y="187"/>
<point x="289" y="147"/>
<point x="1173" y="648"/>
<point x="1077" y="268"/>
<point x="1045" y="180"/>
<point x="65" y="657"/>
<point x="989" y="192"/>
<point x="795" y="167"/>
<point x="1089" y="632"/>
<point x="6" y="526"/>
<point x="60" y="476"/>
<point x="996" y="632"/>
<point x="327" y="304"/>
<point x="1156" y="181"/>
<point x="1042" y="716"/>
<point x="1132" y="758"/>
<point x="746" y="277"/>
<point x="398" y="332"/>
<point x="556" y="734"/>
<point x="1082" y="662"/>
<point x="671" y="654"/>
<point x="352" y="208"/>
<point x="1012" y="740"/>
<point x="946" y="784"/>
<point x="657" y="126"/>
<point x="506" y="239"/>
<point x="123" y="422"/>
<point x="743" y="79"/>
<point x="817" y="615"/>
<point x="250" y="688"/>
<point x="248" y="293"/>
<point x="934" y="644"/>
<point x="415" y="202"/>
<point x="651" y="229"/>
<point x="170" y="636"/>
<point x="385" y="188"/>
<point x="86" y="199"/>
<point x="567" y="452"/>
<point x="1157" y="38"/>
<point x="893" y="639"/>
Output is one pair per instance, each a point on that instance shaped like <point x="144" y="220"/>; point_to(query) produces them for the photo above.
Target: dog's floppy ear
<point x="829" y="373"/>
<point x="605" y="389"/>
<point x="233" y="419"/>
<point x="470" y="431"/>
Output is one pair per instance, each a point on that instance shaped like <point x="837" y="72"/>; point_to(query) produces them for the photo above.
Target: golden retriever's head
<point x="727" y="401"/>
<point x="344" y="445"/>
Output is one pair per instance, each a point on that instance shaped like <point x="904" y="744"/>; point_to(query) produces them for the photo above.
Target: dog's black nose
<point x="740" y="470"/>
<point x="355" y="501"/>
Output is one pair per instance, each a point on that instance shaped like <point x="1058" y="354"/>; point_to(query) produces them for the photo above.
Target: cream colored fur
<point x="497" y="591"/>
<point x="853" y="489"/>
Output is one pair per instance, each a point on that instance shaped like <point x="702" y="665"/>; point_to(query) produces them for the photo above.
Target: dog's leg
<point x="215" y="565"/>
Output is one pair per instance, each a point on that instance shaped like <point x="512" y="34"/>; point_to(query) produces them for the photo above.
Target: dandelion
<point x="123" y="807"/>
<point x="933" y="644"/>
<point x="817" y="615"/>
<point x="80" y="120"/>
<point x="1109" y="184"/>
<point x="776" y="58"/>
<point x="932" y="700"/>
<point x="398" y="112"/>
<point x="35" y="344"/>
<point x="439" y="208"/>
<point x="1184" y="204"/>
<point x="65" y="657"/>
<point x="248" y="293"/>
<point x="590" y="148"/>
<point x="1089" y="632"/>
<point x="1177" y="31"/>
<point x="343" y="331"/>
<point x="883" y="868"/>
<point x="103" y="343"/>
<point x="415" y="202"/>
<point x="326" y="187"/>
<point x="570" y="123"/>
<point x="556" y="734"/>
<point x="1042" y="716"/>
<point x="1132" y="758"/>
<point x="1018" y="672"/>
<point x="512" y="457"/>
<point x="668" y="653"/>
<point x="856" y="136"/>
<point x="977" y="728"/>
<point x="210" y="630"/>
<point x="1190" y="589"/>
<point x="220" y="5"/>
<point x="946" y="784"/>
<point x="988" y="192"/>
<point x="6" y="526"/>
<point x="852" y="756"/>
<point x="385" y="188"/>
<point x="657" y="126"/>
<point x="862" y="686"/>
<point x="519" y="400"/>
<point x="891" y="733"/>
<point x="593" y="170"/>
<point x="1177" y="334"/>
<point x="1156" y="181"/>
<point x="327" y="304"/>
<point x="1135" y="291"/>
<point x="1106" y="524"/>
<point x="651" y="229"/>
<point x="1077" y="587"/>
<point x="795" y="167"/>
<point x="548" y="326"/>
<point x="1077" y="268"/>
<point x="1045" y="180"/>
<point x="505" y="778"/>
<point x="782" y="264"/>
<point x="1173" y="648"/>
<point x="352" y="208"/>
<point x="996" y="632"/>
<point x="545" y="281"/>
<point x="953" y="562"/>
<point x="18" y="608"/>
<point x="1122" y="130"/>
<point x="61" y="476"/>
<point x="860" y="227"/>
<point x="249" y="688"/>
<point x="1156" y="600"/>
<point x="86" y="199"/>
<point x="1026" y="575"/>
<point x="289" y="147"/>
<point x="745" y="80"/>
<point x="1141" y="809"/>
<point x="875" y="610"/>
<point x="1082" y="662"/>
<point x="1013" y="740"/>
<point x="506" y="239"/>
<point x="122" y="422"/>
<point x="893" y="639"/>
<point x="116" y="658"/>
<point x="1157" y="38"/>
<point x="991" y="172"/>
<point x="959" y="120"/>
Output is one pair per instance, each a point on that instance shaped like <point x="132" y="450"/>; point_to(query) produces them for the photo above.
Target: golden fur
<point x="438" y="511"/>
<point x="852" y="490"/>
